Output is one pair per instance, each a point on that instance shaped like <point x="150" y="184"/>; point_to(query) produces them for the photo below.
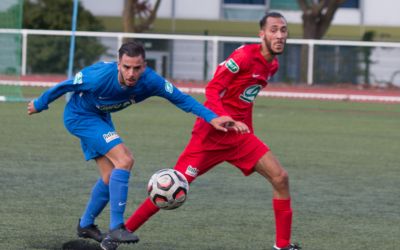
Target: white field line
<point x="319" y="96"/>
<point x="269" y="93"/>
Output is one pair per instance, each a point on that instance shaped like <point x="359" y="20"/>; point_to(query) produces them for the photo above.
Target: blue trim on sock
<point x="118" y="196"/>
<point x="98" y="200"/>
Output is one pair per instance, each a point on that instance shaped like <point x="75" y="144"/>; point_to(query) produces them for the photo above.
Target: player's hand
<point x="221" y="123"/>
<point x="239" y="127"/>
<point x="31" y="108"/>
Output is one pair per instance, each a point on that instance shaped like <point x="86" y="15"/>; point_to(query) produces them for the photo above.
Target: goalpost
<point x="10" y="50"/>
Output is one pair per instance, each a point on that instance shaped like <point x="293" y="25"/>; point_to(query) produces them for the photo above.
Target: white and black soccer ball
<point x="168" y="189"/>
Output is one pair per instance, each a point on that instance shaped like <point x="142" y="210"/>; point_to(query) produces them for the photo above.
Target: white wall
<point x="189" y="9"/>
<point x="104" y="7"/>
<point x="382" y="12"/>
<point x="346" y="16"/>
<point x="184" y="9"/>
<point x="198" y="9"/>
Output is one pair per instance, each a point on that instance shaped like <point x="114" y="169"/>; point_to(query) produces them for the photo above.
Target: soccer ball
<point x="168" y="189"/>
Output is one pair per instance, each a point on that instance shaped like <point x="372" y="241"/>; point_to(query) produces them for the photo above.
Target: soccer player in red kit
<point x="232" y="92"/>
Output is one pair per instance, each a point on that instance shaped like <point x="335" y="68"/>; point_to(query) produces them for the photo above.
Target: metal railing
<point x="216" y="41"/>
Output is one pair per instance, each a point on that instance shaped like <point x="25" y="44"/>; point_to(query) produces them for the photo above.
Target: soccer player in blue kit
<point x="98" y="90"/>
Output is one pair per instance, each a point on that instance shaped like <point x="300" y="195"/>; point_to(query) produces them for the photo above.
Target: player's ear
<point x="261" y="33"/>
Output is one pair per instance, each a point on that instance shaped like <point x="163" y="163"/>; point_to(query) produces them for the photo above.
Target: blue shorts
<point x="97" y="133"/>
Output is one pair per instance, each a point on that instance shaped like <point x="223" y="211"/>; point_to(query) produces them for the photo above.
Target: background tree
<point x="317" y="17"/>
<point x="138" y="16"/>
<point x="50" y="54"/>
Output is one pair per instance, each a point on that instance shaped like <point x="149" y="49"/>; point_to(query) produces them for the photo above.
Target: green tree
<point x="50" y="54"/>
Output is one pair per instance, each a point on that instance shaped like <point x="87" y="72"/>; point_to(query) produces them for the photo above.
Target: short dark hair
<point x="132" y="49"/>
<point x="263" y="20"/>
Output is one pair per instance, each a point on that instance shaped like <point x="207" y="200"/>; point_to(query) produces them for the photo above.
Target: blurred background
<point x="352" y="43"/>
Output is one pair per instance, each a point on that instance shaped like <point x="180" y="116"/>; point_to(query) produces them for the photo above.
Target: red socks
<point x="283" y="221"/>
<point x="282" y="210"/>
<point x="141" y="215"/>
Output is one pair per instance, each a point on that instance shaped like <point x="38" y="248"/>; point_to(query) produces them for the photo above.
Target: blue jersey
<point x="96" y="90"/>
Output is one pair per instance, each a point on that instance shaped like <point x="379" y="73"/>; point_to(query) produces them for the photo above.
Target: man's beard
<point x="270" y="50"/>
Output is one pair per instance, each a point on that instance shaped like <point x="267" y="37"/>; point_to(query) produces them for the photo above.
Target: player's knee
<point x="126" y="162"/>
<point x="281" y="180"/>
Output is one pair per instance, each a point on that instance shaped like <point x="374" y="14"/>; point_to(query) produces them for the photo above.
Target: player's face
<point x="274" y="35"/>
<point x="130" y="69"/>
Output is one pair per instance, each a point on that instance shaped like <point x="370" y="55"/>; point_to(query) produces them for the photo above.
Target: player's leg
<point x="97" y="201"/>
<point x="253" y="155"/>
<point x="269" y="167"/>
<point x="99" y="141"/>
<point x="187" y="164"/>
<point x="90" y="131"/>
<point x="147" y="208"/>
<point x="122" y="159"/>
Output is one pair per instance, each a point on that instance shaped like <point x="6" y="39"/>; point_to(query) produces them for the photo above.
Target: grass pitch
<point x="343" y="161"/>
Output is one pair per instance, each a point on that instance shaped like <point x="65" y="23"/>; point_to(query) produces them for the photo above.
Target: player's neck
<point x="266" y="53"/>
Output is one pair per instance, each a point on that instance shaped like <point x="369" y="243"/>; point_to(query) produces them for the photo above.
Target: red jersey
<point x="237" y="82"/>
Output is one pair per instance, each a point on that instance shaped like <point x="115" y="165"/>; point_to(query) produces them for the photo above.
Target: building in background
<point x="352" y="12"/>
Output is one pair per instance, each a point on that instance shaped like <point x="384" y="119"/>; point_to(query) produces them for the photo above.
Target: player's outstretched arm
<point x="31" y="108"/>
<point x="225" y="123"/>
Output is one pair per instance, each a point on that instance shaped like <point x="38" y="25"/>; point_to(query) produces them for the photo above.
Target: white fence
<point x="190" y="55"/>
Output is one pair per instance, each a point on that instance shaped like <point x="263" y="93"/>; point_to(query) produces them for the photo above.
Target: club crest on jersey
<point x="78" y="79"/>
<point x="169" y="87"/>
<point x="250" y="93"/>
<point x="232" y="66"/>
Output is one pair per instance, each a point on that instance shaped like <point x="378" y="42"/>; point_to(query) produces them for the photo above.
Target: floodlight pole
<point x="72" y="44"/>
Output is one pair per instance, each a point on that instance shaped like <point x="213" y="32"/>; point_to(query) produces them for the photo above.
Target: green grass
<point x="343" y="161"/>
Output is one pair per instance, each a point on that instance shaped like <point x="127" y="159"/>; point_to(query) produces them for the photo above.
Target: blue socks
<point x="118" y="196"/>
<point x="98" y="200"/>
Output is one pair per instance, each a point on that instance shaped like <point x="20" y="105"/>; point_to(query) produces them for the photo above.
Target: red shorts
<point x="209" y="147"/>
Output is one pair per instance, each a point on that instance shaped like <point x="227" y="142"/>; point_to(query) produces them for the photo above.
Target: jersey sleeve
<point x="225" y="74"/>
<point x="71" y="85"/>
<point x="187" y="103"/>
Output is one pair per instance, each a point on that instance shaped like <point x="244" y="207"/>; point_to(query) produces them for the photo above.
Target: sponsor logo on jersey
<point x="112" y="135"/>
<point x="78" y="79"/>
<point x="192" y="171"/>
<point x="232" y="66"/>
<point x="169" y="87"/>
<point x="115" y="107"/>
<point x="250" y="93"/>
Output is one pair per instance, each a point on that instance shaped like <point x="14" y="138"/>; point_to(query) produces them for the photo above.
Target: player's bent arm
<point x="42" y="102"/>
<point x="188" y="104"/>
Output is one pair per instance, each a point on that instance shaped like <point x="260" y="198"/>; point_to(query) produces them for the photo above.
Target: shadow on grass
<point x="80" y="245"/>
